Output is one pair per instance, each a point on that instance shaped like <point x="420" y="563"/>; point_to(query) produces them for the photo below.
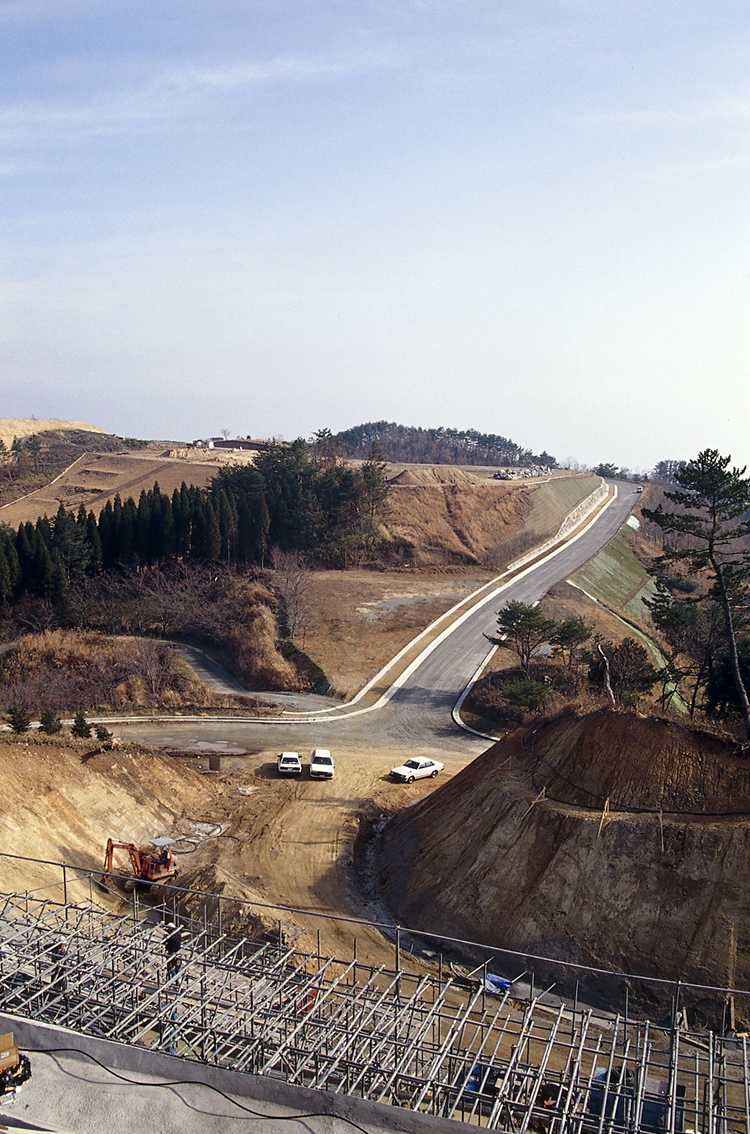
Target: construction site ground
<point x="242" y="832"/>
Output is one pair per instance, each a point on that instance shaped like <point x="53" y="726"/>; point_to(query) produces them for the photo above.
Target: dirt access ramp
<point x="95" y="478"/>
<point x="610" y="839"/>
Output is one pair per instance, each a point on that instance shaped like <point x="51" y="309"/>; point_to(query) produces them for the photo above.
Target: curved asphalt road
<point x="417" y="720"/>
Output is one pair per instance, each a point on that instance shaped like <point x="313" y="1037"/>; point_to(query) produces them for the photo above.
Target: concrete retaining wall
<point x="575" y="517"/>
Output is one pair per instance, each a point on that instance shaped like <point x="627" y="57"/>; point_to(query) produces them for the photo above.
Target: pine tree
<point x="6" y="586"/>
<point x="19" y="718"/>
<point x="143" y="528"/>
<point x="714" y="502"/>
<point x="49" y="722"/>
<point x="42" y="570"/>
<point x="106" y="535"/>
<point x="212" y="544"/>
<point x="126" y="543"/>
<point x="25" y="543"/>
<point x="81" y="727"/>
<point x="58" y="589"/>
<point x="167" y="543"/>
<point x="95" y="544"/>
<point x="14" y="567"/>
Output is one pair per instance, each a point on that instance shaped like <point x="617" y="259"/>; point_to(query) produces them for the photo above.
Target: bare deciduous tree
<point x="293" y="578"/>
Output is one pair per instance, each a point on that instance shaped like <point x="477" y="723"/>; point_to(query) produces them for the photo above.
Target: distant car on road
<point x="288" y="764"/>
<point x="418" y="768"/>
<point x="322" y="766"/>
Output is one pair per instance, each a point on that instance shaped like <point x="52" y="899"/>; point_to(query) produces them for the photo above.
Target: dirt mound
<point x="453" y="524"/>
<point x="518" y="851"/>
<point x="432" y="475"/>
<point x="636" y="762"/>
<point x="441" y="515"/>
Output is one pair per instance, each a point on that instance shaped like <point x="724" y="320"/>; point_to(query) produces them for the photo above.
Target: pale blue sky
<point x="273" y="215"/>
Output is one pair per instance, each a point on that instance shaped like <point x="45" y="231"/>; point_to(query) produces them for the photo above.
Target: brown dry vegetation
<point x="657" y="886"/>
<point x="229" y="614"/>
<point x="100" y="476"/>
<point x="12" y="427"/>
<point x="361" y="619"/>
<point x="232" y="614"/>
<point x="64" y="670"/>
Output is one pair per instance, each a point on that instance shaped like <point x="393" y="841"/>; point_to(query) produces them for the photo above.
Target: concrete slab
<point x="71" y="1094"/>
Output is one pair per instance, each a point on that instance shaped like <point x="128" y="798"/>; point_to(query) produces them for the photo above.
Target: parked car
<point x="289" y="764"/>
<point x="417" y="768"/>
<point x="322" y="766"/>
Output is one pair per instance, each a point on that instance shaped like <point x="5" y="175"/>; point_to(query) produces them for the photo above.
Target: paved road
<point x="418" y="718"/>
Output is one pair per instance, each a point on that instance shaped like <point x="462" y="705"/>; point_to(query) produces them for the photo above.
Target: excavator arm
<point x="136" y="865"/>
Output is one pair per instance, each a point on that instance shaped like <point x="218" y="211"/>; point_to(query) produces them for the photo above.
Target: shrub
<point x="49" y="722"/>
<point x="103" y="733"/>
<point x="19" y="718"/>
<point x="525" y="693"/>
<point x="81" y="726"/>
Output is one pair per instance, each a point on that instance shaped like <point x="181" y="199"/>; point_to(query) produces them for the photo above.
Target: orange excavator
<point x="149" y="865"/>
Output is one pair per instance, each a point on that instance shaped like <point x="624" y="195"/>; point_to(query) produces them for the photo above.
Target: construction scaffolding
<point x="436" y="1044"/>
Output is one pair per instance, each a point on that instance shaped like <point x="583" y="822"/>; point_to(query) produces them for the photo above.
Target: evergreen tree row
<point x="287" y="501"/>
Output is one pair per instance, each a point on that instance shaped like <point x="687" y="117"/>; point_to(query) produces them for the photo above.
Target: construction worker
<point x="176" y="937"/>
<point x="58" y="954"/>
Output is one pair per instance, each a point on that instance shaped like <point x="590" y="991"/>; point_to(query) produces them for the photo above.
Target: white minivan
<point x="321" y="764"/>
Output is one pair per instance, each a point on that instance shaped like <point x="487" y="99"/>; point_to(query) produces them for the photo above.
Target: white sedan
<point x="288" y="764"/>
<point x="417" y="768"/>
<point x="321" y="764"/>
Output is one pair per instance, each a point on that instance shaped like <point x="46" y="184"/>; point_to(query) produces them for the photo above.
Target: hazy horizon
<point x="529" y="219"/>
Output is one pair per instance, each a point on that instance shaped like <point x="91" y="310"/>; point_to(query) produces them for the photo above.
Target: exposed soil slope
<point x="465" y="520"/>
<point x="486" y="857"/>
<point x="61" y="799"/>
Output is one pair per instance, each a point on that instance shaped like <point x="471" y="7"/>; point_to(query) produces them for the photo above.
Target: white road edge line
<point x="316" y="713"/>
<point x="402" y="678"/>
<point x="456" y="710"/>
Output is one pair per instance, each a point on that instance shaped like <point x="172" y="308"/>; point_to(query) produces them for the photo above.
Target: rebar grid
<point x="417" y="1041"/>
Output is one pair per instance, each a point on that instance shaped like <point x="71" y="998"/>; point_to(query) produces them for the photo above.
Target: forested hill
<point x="411" y="443"/>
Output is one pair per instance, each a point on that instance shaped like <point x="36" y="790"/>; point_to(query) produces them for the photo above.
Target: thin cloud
<point x="29" y="11"/>
<point x="724" y="108"/>
<point x="173" y="93"/>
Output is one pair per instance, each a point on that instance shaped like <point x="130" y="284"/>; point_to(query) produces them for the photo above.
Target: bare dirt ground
<point x="295" y="840"/>
<point x="631" y="857"/>
<point x="63" y="798"/>
<point x="361" y="619"/>
<point x="245" y="832"/>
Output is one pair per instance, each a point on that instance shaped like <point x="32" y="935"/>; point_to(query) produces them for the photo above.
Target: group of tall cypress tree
<point x="287" y="500"/>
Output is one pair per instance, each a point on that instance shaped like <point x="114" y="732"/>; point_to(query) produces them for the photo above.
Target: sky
<point x="530" y="217"/>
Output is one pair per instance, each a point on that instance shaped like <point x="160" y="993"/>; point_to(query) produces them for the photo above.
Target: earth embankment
<point x="456" y="517"/>
<point x="609" y="839"/>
